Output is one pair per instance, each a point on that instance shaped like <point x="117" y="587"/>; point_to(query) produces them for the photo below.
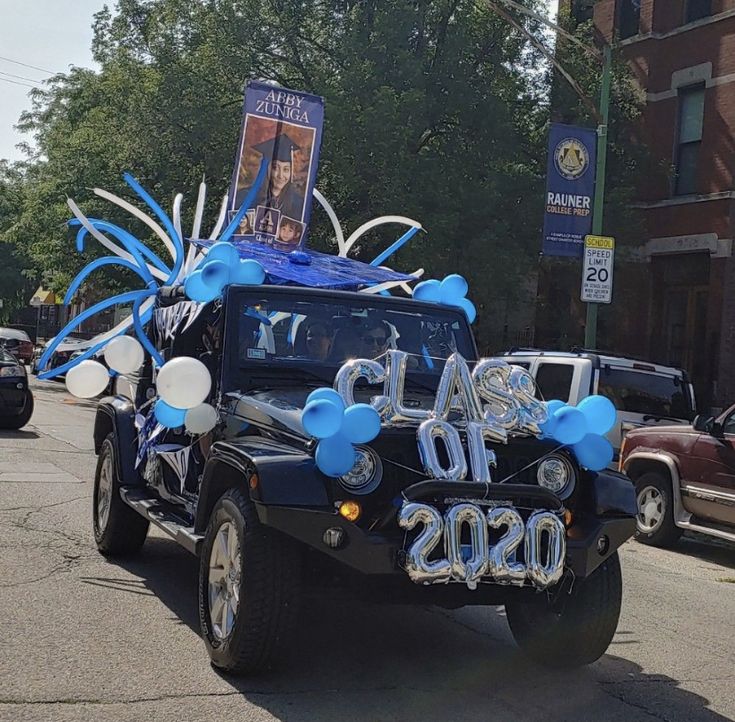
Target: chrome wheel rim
<point x="650" y="509"/>
<point x="224" y="580"/>
<point x="104" y="492"/>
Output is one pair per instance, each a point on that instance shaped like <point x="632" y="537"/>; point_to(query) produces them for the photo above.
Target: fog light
<point x="350" y="510"/>
<point x="603" y="544"/>
<point x="333" y="537"/>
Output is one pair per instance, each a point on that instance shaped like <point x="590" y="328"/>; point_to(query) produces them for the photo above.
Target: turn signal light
<point x="253" y="481"/>
<point x="568" y="518"/>
<point x="350" y="510"/>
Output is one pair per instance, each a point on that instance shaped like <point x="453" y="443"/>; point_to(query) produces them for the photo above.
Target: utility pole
<point x="598" y="206"/>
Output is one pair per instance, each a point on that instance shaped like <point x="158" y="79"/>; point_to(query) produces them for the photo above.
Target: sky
<point x="52" y="35"/>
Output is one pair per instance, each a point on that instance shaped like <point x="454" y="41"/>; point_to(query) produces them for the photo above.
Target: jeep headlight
<point x="556" y="474"/>
<point x="366" y="474"/>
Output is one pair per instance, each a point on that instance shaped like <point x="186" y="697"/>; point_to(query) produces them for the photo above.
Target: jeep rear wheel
<point x="248" y="588"/>
<point x="118" y="529"/>
<point x="577" y="627"/>
<point x="655" y="521"/>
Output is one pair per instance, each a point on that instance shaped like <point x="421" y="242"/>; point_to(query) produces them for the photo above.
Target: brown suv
<point x="684" y="478"/>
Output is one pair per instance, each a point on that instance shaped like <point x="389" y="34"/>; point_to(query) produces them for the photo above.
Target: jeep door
<point x="709" y="490"/>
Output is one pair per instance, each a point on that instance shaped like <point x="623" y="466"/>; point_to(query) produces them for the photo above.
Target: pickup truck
<point x="644" y="393"/>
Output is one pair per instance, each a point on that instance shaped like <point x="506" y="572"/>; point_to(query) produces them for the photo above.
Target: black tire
<point x="123" y="531"/>
<point x="665" y="533"/>
<point x="576" y="628"/>
<point x="267" y="583"/>
<point x="18" y="422"/>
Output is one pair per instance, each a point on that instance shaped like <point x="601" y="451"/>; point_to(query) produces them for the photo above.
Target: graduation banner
<point x="570" y="186"/>
<point x="284" y="127"/>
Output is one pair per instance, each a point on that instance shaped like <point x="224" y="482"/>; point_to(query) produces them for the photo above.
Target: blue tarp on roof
<point x="322" y="270"/>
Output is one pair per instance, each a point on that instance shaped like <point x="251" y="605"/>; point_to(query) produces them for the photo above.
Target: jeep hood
<point x="280" y="408"/>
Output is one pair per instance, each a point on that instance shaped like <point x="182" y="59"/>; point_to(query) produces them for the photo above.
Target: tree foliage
<point x="435" y="109"/>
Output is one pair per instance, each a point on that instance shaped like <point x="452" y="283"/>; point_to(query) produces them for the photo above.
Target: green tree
<point x="434" y="109"/>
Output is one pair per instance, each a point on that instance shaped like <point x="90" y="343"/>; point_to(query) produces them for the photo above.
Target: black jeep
<point x="248" y="499"/>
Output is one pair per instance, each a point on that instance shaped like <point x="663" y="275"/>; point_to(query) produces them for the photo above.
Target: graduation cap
<point x="279" y="148"/>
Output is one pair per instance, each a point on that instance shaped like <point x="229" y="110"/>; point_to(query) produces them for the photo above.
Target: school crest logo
<point x="571" y="158"/>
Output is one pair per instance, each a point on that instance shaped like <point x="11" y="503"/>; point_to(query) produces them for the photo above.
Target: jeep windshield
<point x="300" y="335"/>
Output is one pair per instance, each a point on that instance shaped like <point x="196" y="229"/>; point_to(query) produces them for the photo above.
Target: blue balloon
<point x="599" y="412"/>
<point x="554" y="405"/>
<point x="168" y="416"/>
<point x="427" y="291"/>
<point x="215" y="273"/>
<point x="548" y="427"/>
<point x="248" y="272"/>
<point x="571" y="425"/>
<point x="469" y="308"/>
<point x="321" y="418"/>
<point x="361" y="423"/>
<point x="594" y="452"/>
<point x="452" y="289"/>
<point x="198" y="290"/>
<point x="327" y="394"/>
<point x="225" y="252"/>
<point x="335" y="456"/>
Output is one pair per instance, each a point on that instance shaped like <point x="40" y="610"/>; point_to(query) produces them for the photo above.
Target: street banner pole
<point x="590" y="329"/>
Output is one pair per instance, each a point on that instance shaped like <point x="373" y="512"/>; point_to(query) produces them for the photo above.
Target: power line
<point x="20" y="77"/>
<point x="17" y="82"/>
<point x="26" y="65"/>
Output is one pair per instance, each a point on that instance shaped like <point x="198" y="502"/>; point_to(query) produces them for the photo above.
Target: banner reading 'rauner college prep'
<point x="570" y="184"/>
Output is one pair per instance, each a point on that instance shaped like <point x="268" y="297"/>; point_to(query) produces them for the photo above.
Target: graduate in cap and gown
<point x="278" y="192"/>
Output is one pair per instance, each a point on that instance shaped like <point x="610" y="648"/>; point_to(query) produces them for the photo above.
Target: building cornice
<point x="641" y="37"/>
<point x="686" y="200"/>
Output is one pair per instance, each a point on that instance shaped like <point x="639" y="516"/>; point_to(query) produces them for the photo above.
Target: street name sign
<point x="597" y="271"/>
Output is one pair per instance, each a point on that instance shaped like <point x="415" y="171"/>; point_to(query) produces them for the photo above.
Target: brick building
<point x="682" y="53"/>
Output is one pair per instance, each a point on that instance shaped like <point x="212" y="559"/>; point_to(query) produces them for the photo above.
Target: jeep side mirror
<point x="705" y="424"/>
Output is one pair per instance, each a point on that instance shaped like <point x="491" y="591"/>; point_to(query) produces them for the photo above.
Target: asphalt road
<point x="86" y="639"/>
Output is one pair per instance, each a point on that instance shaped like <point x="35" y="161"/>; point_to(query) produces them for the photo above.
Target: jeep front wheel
<point x="248" y="588"/>
<point x="577" y="627"/>
<point x="654" y="524"/>
<point x="118" y="529"/>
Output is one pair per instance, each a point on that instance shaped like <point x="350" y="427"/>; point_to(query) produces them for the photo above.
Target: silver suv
<point x="644" y="393"/>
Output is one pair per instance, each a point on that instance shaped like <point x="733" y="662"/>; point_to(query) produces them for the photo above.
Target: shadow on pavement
<point x="20" y="434"/>
<point x="419" y="663"/>
<point x="708" y="549"/>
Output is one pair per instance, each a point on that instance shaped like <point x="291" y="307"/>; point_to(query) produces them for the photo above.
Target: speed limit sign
<point x="597" y="271"/>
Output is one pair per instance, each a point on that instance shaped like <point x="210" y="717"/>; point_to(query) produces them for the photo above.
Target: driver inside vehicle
<point x="374" y="339"/>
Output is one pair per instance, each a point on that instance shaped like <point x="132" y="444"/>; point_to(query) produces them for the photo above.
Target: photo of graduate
<point x="287" y="148"/>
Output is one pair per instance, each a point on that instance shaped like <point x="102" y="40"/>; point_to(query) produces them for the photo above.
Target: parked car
<point x="684" y="478"/>
<point x="644" y="393"/>
<point x="64" y="353"/>
<point x="249" y="500"/>
<point x="16" y="399"/>
<point x="18" y="343"/>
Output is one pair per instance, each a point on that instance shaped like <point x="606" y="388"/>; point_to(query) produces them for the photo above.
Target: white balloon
<point x="124" y="354"/>
<point x="201" y="419"/>
<point x="87" y="379"/>
<point x="183" y="382"/>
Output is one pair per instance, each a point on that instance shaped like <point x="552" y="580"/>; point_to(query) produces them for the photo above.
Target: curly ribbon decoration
<point x="127" y="297"/>
<point x="178" y="242"/>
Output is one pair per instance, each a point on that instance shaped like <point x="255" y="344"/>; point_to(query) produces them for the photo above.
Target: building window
<point x="697" y="9"/>
<point x="689" y="141"/>
<point x="629" y="18"/>
<point x="582" y="10"/>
